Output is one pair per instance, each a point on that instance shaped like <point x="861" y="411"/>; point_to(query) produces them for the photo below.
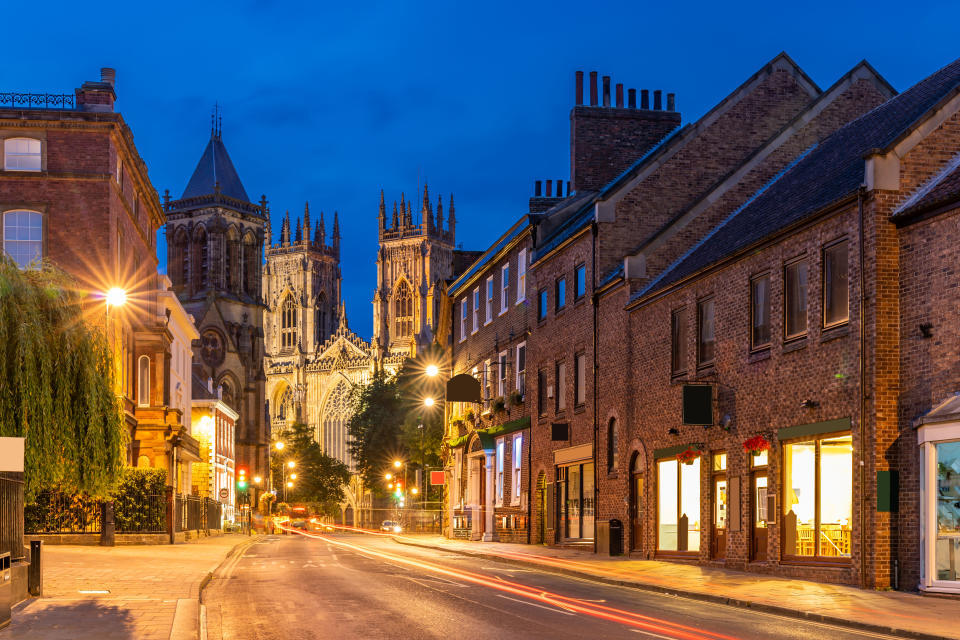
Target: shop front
<point x="575" y="494"/>
<point x="678" y="500"/>
<point x="938" y="434"/>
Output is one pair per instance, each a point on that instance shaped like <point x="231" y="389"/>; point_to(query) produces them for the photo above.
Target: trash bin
<point x="616" y="538"/>
<point x="6" y="589"/>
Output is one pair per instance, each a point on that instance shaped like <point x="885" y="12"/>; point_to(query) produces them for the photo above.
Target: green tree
<point x="374" y="428"/>
<point x="320" y="478"/>
<point x="56" y="384"/>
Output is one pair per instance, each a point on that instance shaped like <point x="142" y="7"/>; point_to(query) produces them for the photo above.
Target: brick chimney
<point x="605" y="140"/>
<point x="98" y="96"/>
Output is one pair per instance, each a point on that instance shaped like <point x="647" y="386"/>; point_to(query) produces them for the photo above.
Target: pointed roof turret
<point x="321" y="234"/>
<point x="215" y="170"/>
<point x="382" y="216"/>
<point x="439" y="212"/>
<point x="408" y="217"/>
<point x="403" y="210"/>
<point x="298" y="238"/>
<point x="285" y="231"/>
<point x="342" y="320"/>
<point x="306" y="221"/>
<point x="336" y="234"/>
<point x="426" y="211"/>
<point x="452" y="220"/>
<point x="396" y="218"/>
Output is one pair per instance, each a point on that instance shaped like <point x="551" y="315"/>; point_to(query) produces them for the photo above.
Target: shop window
<point x="836" y="291"/>
<point x="575" y="491"/>
<point x="818" y="497"/>
<point x="22" y="154"/>
<point x="579" y="281"/>
<point x="517" y="466"/>
<point x="947" y="492"/>
<point x="678" y="505"/>
<point x="795" y="299"/>
<point x="760" y="312"/>
<point x="23" y="237"/>
<point x="706" y="340"/>
<point x="678" y="343"/>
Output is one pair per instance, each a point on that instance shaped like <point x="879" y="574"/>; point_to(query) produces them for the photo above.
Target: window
<point x="21" y="154"/>
<point x="542" y="305"/>
<point x="836" y="291"/>
<point x="487" y="384"/>
<point x="579" y="281"/>
<point x="476" y="309"/>
<point x="143" y="382"/>
<point x="288" y="323"/>
<point x="517" y="466"/>
<point x="560" y="396"/>
<point x="403" y="311"/>
<point x="678" y="505"/>
<point x="251" y="266"/>
<point x="522" y="368"/>
<point x="580" y="379"/>
<point x="818" y="497"/>
<point x="678" y="342"/>
<point x="760" y="311"/>
<point x="561" y="291"/>
<point x="500" y="472"/>
<point x="613" y="445"/>
<point x="119" y="170"/>
<point x="463" y="319"/>
<point x="705" y="335"/>
<point x="489" y="308"/>
<point x="504" y="288"/>
<point x="502" y="375"/>
<point x="795" y="299"/>
<point x="542" y="392"/>
<point x="199" y="260"/>
<point x="521" y="276"/>
<point x="23" y="237"/>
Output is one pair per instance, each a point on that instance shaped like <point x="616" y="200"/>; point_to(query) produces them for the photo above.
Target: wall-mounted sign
<point x="698" y="404"/>
<point x="438" y="477"/>
<point x="224" y="493"/>
<point x="11" y="454"/>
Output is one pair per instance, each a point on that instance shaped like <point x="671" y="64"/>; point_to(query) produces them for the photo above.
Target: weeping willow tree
<point x="56" y="385"/>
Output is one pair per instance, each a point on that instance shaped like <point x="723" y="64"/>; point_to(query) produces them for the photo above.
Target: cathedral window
<point x="288" y="323"/>
<point x="200" y="260"/>
<point x="23" y="237"/>
<point x="231" y="263"/>
<point x="403" y="311"/>
<point x="180" y="259"/>
<point x="251" y="260"/>
<point x="320" y="320"/>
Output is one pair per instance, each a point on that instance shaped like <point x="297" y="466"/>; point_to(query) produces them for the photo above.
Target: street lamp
<point x="428" y="401"/>
<point x="291" y="464"/>
<point x="293" y="476"/>
<point x="432" y="370"/>
<point x="279" y="445"/>
<point x="388" y="476"/>
<point x="397" y="464"/>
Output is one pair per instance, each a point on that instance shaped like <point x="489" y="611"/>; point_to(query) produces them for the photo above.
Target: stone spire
<point x="382" y="217"/>
<point x="336" y="234"/>
<point x="408" y="217"/>
<point x="403" y="210"/>
<point x="306" y="221"/>
<point x="321" y="233"/>
<point x="426" y="212"/>
<point x="396" y="218"/>
<point x="452" y="221"/>
<point x="285" y="231"/>
<point x="298" y="237"/>
<point x="342" y="320"/>
<point x="439" y="213"/>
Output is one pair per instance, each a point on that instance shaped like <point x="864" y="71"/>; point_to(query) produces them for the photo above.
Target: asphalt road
<point x="346" y="586"/>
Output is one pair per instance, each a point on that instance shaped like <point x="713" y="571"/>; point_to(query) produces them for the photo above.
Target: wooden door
<point x="758" y="496"/>
<point x="636" y="512"/>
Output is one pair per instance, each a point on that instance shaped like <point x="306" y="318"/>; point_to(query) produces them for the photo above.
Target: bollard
<point x="35" y="571"/>
<point x="107" y="526"/>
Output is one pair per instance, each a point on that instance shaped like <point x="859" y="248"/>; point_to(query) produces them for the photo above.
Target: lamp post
<point x="115" y="297"/>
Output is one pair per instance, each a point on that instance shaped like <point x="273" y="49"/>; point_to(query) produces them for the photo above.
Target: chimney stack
<point x="606" y="91"/>
<point x="644" y="98"/>
<point x="108" y="75"/>
<point x="568" y="188"/>
<point x="632" y="98"/>
<point x="537" y="188"/>
<point x="593" y="88"/>
<point x="579" y="91"/>
<point x="671" y="102"/>
<point x="549" y="188"/>
<point x="559" y="188"/>
<point x="619" y="95"/>
<point x="657" y="100"/>
<point x="97" y="96"/>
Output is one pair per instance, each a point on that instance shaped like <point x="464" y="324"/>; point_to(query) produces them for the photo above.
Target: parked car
<point x="390" y="526"/>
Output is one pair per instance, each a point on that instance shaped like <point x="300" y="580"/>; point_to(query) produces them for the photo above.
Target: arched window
<point x="179" y="266"/>
<point x="335" y="415"/>
<point x="288" y="323"/>
<point x="23" y="237"/>
<point x="22" y="154"/>
<point x="251" y="262"/>
<point x="231" y="262"/>
<point x="613" y="445"/>
<point x="403" y="311"/>
<point x="320" y="319"/>
<point x="199" y="260"/>
<point x="143" y="381"/>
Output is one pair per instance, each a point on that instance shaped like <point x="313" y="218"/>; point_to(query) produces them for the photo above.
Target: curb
<point x="240" y="547"/>
<point x="691" y="595"/>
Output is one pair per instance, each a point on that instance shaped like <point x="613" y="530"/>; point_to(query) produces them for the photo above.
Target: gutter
<point x="596" y="411"/>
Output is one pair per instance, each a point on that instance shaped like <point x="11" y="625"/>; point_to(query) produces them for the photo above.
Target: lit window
<point x="463" y="320"/>
<point x="499" y="472"/>
<point x="521" y="276"/>
<point x="522" y="367"/>
<point x="502" y="375"/>
<point x="579" y="281"/>
<point x="760" y="311"/>
<point x="476" y="309"/>
<point x="143" y="382"/>
<point x="504" y="288"/>
<point x="836" y="293"/>
<point x="678" y="342"/>
<point x="678" y="505"/>
<point x="288" y="323"/>
<point x="795" y="303"/>
<point x="23" y="237"/>
<point x="706" y="341"/>
<point x="21" y="154"/>
<point x="489" y="307"/>
<point x="517" y="465"/>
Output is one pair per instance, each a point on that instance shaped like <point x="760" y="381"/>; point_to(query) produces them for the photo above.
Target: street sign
<point x="11" y="454"/>
<point x="437" y="477"/>
<point x="224" y="493"/>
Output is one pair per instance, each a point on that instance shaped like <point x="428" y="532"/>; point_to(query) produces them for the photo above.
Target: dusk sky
<point x="330" y="102"/>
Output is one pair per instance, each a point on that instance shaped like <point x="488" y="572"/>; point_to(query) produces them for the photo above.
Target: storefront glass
<point x="678" y="505"/>
<point x="575" y="487"/>
<point x="668" y="485"/>
<point x="948" y="510"/>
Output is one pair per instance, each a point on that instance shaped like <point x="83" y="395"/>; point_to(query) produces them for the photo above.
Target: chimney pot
<point x="568" y="188"/>
<point x="619" y="95"/>
<point x="671" y="102"/>
<point x="593" y="88"/>
<point x="632" y="98"/>
<point x="549" y="188"/>
<point x="537" y="188"/>
<point x="579" y="91"/>
<point x="657" y="100"/>
<point x="559" y="188"/>
<point x="644" y="98"/>
<point x="606" y="91"/>
<point x="108" y="75"/>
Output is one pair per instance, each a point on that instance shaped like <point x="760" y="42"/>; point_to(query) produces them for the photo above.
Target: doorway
<point x="758" y="550"/>
<point x="542" y="508"/>
<point x="636" y="503"/>
<point x="720" y="497"/>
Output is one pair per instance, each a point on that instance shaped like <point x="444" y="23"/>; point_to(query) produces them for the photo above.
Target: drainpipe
<point x="863" y="391"/>
<point x="596" y="414"/>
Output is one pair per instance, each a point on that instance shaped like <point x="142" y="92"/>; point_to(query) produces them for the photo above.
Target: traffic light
<point x="242" y="478"/>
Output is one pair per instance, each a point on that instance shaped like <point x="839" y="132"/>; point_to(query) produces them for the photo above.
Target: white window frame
<point x="502" y="374"/>
<point x="486" y="385"/>
<point x="143" y="381"/>
<point x="520" y="376"/>
<point x="489" y="306"/>
<point x="24" y="159"/>
<point x="504" y="288"/>
<point x="500" y="454"/>
<point x="517" y="467"/>
<point x="463" y="319"/>
<point x="8" y="234"/>
<point x="476" y="310"/>
<point x="521" y="275"/>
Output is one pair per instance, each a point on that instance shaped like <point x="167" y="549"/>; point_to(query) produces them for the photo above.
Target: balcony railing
<point x="37" y="100"/>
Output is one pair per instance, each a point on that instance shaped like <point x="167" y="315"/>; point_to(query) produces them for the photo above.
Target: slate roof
<point x="484" y="259"/>
<point x="215" y="167"/>
<point x="199" y="390"/>
<point x="823" y="176"/>
<point x="579" y="212"/>
<point x="941" y="189"/>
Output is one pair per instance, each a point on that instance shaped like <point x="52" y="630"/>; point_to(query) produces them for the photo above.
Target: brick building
<point x="74" y="191"/>
<point x="489" y="444"/>
<point x="214" y="425"/>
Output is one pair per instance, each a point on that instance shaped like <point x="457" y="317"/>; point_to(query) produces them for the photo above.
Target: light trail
<point x="595" y="610"/>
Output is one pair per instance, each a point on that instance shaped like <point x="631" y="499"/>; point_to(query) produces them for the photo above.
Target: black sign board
<point x="561" y="431"/>
<point x="698" y="404"/>
<point x="463" y="388"/>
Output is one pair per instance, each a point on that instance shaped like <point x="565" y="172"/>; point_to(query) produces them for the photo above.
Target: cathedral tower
<point x="215" y="238"/>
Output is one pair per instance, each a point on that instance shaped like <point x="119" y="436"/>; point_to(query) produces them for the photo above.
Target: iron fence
<point x="410" y="520"/>
<point x="11" y="515"/>
<point x="37" y="100"/>
<point x="196" y="512"/>
<point x="53" y="512"/>
<point x="148" y="514"/>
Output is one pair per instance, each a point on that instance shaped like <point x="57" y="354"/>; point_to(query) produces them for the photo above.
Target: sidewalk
<point x="147" y="588"/>
<point x="901" y="614"/>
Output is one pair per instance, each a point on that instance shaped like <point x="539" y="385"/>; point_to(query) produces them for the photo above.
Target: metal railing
<point x="147" y="515"/>
<point x="196" y="513"/>
<point x="11" y="515"/>
<point x="53" y="512"/>
<point x="37" y="100"/>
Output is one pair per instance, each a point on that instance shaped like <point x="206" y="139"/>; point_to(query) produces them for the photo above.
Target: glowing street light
<point x="432" y="370"/>
<point x="397" y="464"/>
<point x="293" y="476"/>
<point x="257" y="479"/>
<point x="291" y="464"/>
<point x="388" y="476"/>
<point x="279" y="446"/>
<point x="414" y="491"/>
<point x="289" y="485"/>
<point x="428" y="401"/>
<point x="116" y="297"/>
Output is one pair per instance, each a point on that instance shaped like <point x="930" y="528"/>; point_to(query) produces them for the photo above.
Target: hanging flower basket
<point x="756" y="445"/>
<point x="688" y="456"/>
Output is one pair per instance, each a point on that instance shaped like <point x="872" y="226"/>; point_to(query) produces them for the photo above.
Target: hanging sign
<point x="438" y="477"/>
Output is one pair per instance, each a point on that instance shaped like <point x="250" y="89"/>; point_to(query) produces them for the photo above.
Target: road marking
<point x="93" y="591"/>
<point x="652" y="635"/>
<point x="540" y="606"/>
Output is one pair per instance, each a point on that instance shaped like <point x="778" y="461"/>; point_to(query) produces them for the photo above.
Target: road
<point x="347" y="585"/>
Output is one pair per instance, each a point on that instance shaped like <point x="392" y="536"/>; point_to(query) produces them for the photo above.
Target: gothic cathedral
<point x="215" y="238"/>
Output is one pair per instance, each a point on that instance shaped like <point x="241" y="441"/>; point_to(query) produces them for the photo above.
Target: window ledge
<point x="706" y="370"/>
<point x="679" y="378"/>
<point x="580" y="408"/>
<point x="834" y="332"/>
<point x="613" y="475"/>
<point x="758" y="355"/>
<point x="794" y="344"/>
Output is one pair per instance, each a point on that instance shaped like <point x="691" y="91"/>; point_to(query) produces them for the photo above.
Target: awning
<point x="489" y="435"/>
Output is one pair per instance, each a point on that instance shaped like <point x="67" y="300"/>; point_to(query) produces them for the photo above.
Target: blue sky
<point x="332" y="102"/>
